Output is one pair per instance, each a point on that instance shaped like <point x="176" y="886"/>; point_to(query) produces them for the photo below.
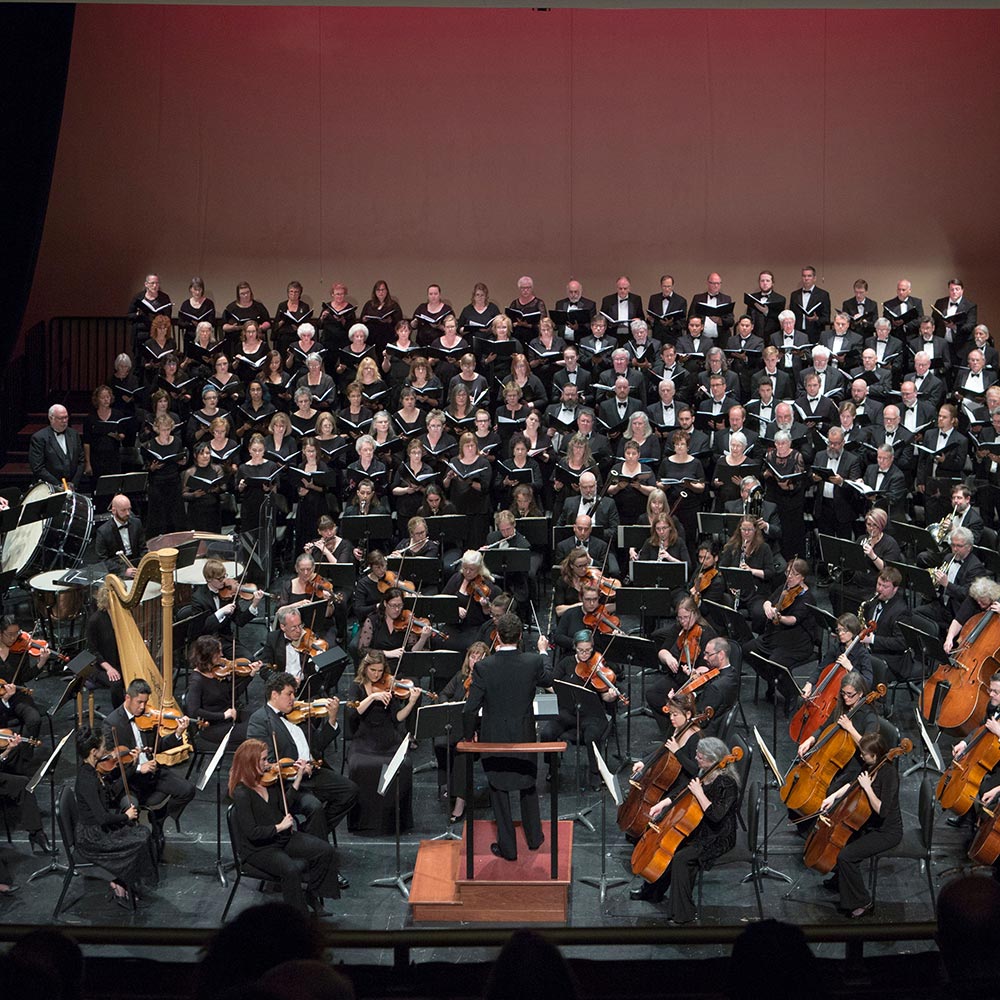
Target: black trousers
<point x="531" y="819"/>
<point x="304" y="859"/>
<point x="326" y="798"/>
<point x="853" y="891"/>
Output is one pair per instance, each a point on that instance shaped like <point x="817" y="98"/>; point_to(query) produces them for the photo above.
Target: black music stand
<point x="632" y="536"/>
<point x="418" y="569"/>
<point x="534" y="529"/>
<point x="629" y="652"/>
<point x="41" y="509"/>
<point x="916" y="536"/>
<point x="440" y="665"/>
<point x="612" y="788"/>
<point x="435" y="721"/>
<point x="390" y="778"/>
<point x="128" y="483"/>
<point x="313" y="616"/>
<point x="509" y="561"/>
<point x="362" y="528"/>
<point x="560" y="532"/>
<point x="929" y="650"/>
<point x="917" y="579"/>
<point x="846" y="554"/>
<point x="221" y="866"/>
<point x="49" y="769"/>
<point x="82" y="667"/>
<point x="447" y="526"/>
<point x="439" y="608"/>
<point x="829" y="624"/>
<point x="737" y="628"/>
<point x="660" y="575"/>
<point x="712" y="523"/>
<point x="736" y="581"/>
<point x="581" y="703"/>
<point x="330" y="666"/>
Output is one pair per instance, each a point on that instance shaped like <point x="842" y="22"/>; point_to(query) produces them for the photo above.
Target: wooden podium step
<point x="501" y="892"/>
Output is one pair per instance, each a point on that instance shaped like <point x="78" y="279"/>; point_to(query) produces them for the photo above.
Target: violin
<point x="315" y="709"/>
<point x="319" y="587"/>
<point x="600" y="621"/>
<point x="234" y="590"/>
<point x="601" y="678"/>
<point x="653" y="782"/>
<point x="418" y="626"/>
<point x="167" y="720"/>
<point x="695" y="681"/>
<point x="120" y="756"/>
<point x="18" y="687"/>
<point x="965" y="678"/>
<point x="26" y="643"/>
<point x="8" y="734"/>
<point x="660" y="841"/>
<point x="833" y="830"/>
<point x="478" y="587"/>
<point x="402" y="687"/>
<point x="807" y="782"/>
<point x="391" y="580"/>
<point x="607" y="586"/>
<point x="310" y="643"/>
<point x="702" y="582"/>
<point x="788" y="596"/>
<point x="816" y="709"/>
<point x="284" y="768"/>
<point x="689" y="644"/>
<point x="959" y="785"/>
<point x="225" y="669"/>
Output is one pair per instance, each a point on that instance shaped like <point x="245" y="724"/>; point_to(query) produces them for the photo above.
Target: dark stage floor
<point x="186" y="899"/>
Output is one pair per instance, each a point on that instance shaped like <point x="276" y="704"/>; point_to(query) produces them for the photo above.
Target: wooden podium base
<point x="502" y="891"/>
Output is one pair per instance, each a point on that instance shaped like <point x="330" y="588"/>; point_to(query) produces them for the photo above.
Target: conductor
<point x="503" y="685"/>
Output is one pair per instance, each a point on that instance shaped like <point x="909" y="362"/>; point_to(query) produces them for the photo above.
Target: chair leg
<point x="62" y="895"/>
<point x="873" y="877"/>
<point x="232" y="894"/>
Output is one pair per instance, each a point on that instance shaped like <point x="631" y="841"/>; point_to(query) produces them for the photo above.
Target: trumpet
<point x="943" y="568"/>
<point x="939" y="531"/>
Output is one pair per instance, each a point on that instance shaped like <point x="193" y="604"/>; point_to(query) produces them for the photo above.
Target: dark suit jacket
<point x="769" y="513"/>
<point x="608" y="410"/>
<point x="931" y="389"/>
<point x="673" y="327"/>
<point x="720" y="695"/>
<point x="958" y="590"/>
<point x="117" y="722"/>
<point x="973" y="520"/>
<point x="894" y="484"/>
<point x="765" y="325"/>
<point x="203" y="604"/>
<point x="561" y="378"/>
<point x="871" y="413"/>
<point x="784" y="387"/>
<point x="825" y="410"/>
<point x="965" y="320"/>
<point x="954" y="457"/>
<point x="852" y="342"/>
<point x="50" y="463"/>
<point x="728" y="320"/>
<point x="606" y="513"/>
<point x="609" y="306"/>
<point x="273" y="657"/>
<point x="944" y="354"/>
<point x="108" y="542"/>
<point x="902" y="446"/>
<point x="587" y="308"/>
<point x="835" y="379"/>
<point x="869" y="313"/>
<point x="845" y="503"/>
<point x="597" y="549"/>
<point x="265" y="721"/>
<point x="911" y="326"/>
<point x="925" y="413"/>
<point x="801" y="341"/>
<point x="504" y="685"/>
<point x="817" y="320"/>
<point x="888" y="642"/>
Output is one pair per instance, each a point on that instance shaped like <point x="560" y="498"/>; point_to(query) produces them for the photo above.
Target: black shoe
<point x="316" y="905"/>
<point x="957" y="822"/>
<point x="831" y="884"/>
<point x="342" y="882"/>
<point x="646" y="891"/>
<point x="495" y="848"/>
<point x="534" y="847"/>
<point x="769" y="695"/>
<point x="39" y="843"/>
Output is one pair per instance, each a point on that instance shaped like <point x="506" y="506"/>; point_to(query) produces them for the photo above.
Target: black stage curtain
<point x="35" y="42"/>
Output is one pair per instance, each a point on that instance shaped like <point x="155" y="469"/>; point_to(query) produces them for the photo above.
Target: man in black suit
<point x="781" y="380"/>
<point x="861" y="310"/>
<point x="841" y="342"/>
<point x="763" y="306"/>
<point x="937" y="349"/>
<point x="884" y="476"/>
<point x="768" y="522"/>
<point x="961" y="515"/>
<point x="597" y="345"/>
<point x="600" y="447"/>
<point x="953" y="579"/>
<point x="831" y="380"/>
<point x="791" y="343"/>
<point x="744" y="362"/>
<point x="667" y="311"/>
<point x="620" y="360"/>
<point x="721" y="692"/>
<point x="121" y="535"/>
<point x="55" y="453"/>
<point x="814" y="408"/>
<point x="560" y="416"/>
<point x="947" y="449"/>
<point x="663" y="413"/>
<point x="914" y="412"/>
<point x="891" y="432"/>
<point x="868" y="404"/>
<point x="216" y="615"/>
<point x="503" y="686"/>
<point x="836" y="503"/>
<point x="955" y="316"/>
<point x="584" y="538"/>
<point x="711" y="307"/>
<point x="575" y="302"/>
<point x="279" y="654"/>
<point x="736" y="421"/>
<point x="885" y="609"/>
<point x="327" y="796"/>
<point x="621" y="307"/>
<point x="699" y="443"/>
<point x="811" y="306"/>
<point x="161" y="790"/>
<point x="929" y="387"/>
<point x="904" y="311"/>
<point x="602" y="511"/>
<point x="693" y="345"/>
<point x="570" y="373"/>
<point x="620" y="407"/>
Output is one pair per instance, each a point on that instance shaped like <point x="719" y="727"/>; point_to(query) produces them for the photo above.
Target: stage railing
<point x="80" y="351"/>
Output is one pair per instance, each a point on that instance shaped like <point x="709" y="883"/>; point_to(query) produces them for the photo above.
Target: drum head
<point x="22" y="543"/>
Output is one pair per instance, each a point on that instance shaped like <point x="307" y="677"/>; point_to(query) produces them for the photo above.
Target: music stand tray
<point x="417" y="569"/>
<point x="643" y="601"/>
<point x="843" y="552"/>
<point x="437" y="664"/>
<point x="662" y="575"/>
<point x="503" y="562"/>
<point x="916" y="578"/>
<point x="714" y="523"/>
<point x="360" y="526"/>
<point x="632" y="536"/>
<point x="343" y="576"/>
<point x="439" y="608"/>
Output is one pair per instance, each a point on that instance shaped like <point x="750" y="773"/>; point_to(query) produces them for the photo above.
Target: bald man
<point x="122" y="535"/>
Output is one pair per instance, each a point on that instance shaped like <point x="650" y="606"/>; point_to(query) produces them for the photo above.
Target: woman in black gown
<point x="165" y="457"/>
<point x="105" y="835"/>
<point x="202" y="485"/>
<point x="219" y="702"/>
<point x="254" y="483"/>
<point x="377" y="724"/>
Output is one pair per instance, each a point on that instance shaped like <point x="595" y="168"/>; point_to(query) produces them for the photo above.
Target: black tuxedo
<point x="851" y="345"/>
<point x="503" y="686"/>
<point x="597" y="549"/>
<point x="878" y="390"/>
<point x="865" y="324"/>
<point x="818" y="319"/>
<point x="768" y="513"/>
<point x="561" y="379"/>
<point x="108" y="543"/>
<point x="955" y="454"/>
<point x="965" y="320"/>
<point x="825" y="411"/>
<point x="894" y="484"/>
<point x="931" y="388"/>
<point x="943" y="611"/>
<point x="834" y="516"/>
<point x="834" y="379"/>
<point x="784" y="387"/>
<point x="972" y="520"/>
<point x="673" y="327"/>
<point x="726" y="321"/>
<point x="609" y="306"/>
<point x="912" y="325"/>
<point x="608" y="410"/>
<point x="50" y="463"/>
<point x="799" y="342"/>
<point x="720" y="695"/>
<point x="888" y="642"/>
<point x="902" y="446"/>
<point x="925" y="414"/>
<point x="603" y="511"/>
<point x="204" y="605"/>
<point x="942" y="358"/>
<point x="586" y="308"/>
<point x="274" y="659"/>
<point x="766" y="324"/>
<point x="636" y="383"/>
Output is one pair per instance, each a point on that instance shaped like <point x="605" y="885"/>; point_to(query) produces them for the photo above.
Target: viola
<point x="959" y="785"/>
<point x="965" y="678"/>
<point x="654" y="781"/>
<point x="319" y="587"/>
<point x="120" y="756"/>
<point x="478" y="588"/>
<point x="661" y="839"/>
<point x="418" y="626"/>
<point x="816" y="709"/>
<point x="598" y="676"/>
<point x="808" y="781"/>
<point x="601" y="621"/>
<point x="832" y="831"/>
<point x="695" y="681"/>
<point x="607" y="586"/>
<point x="310" y="643"/>
<point x="19" y="687"/>
<point x="8" y="734"/>
<point x="225" y="669"/>
<point x="284" y="768"/>
<point x="788" y="596"/>
<point x="26" y="643"/>
<point x="392" y="579"/>
<point x="234" y="590"/>
<point x="702" y="583"/>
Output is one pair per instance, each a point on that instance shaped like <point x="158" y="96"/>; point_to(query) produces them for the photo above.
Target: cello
<point x="834" y="829"/>
<point x="657" y="846"/>
<point x="811" y="714"/>
<point x="958" y="787"/>
<point x="806" y="782"/>
<point x="653" y="782"/>
<point x="965" y="677"/>
<point x="985" y="848"/>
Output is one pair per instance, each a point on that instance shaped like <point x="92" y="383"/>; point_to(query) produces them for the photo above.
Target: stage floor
<point x="186" y="899"/>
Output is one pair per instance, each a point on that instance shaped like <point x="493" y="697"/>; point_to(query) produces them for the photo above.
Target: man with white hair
<point x="832" y="381"/>
<point x="55" y="453"/>
<point x="621" y="307"/>
<point x="789" y="343"/>
<point x="904" y="311"/>
<point x="927" y="384"/>
<point x="620" y="359"/>
<point x="642" y="349"/>
<point x="888" y="349"/>
<point x="577" y="325"/>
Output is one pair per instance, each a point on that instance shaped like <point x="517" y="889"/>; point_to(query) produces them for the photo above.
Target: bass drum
<point x="57" y="542"/>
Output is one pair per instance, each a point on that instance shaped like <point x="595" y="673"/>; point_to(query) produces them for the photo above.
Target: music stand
<point x="631" y="652"/>
<point x="439" y="608"/>
<point x="390" y="776"/>
<point x="330" y="666"/>
<point x="828" y="622"/>
<point x="661" y="575"/>
<point x="361" y="528"/>
<point x="221" y="866"/>
<point x="847" y="554"/>
<point x="911" y="535"/>
<point x="82" y="667"/>
<point x="612" y="788"/>
<point x="418" y="569"/>
<point x="560" y="532"/>
<point x="765" y="870"/>
<point x="917" y="579"/>
<point x="442" y="526"/>
<point x="435" y="721"/>
<point x="632" y="536"/>
<point x="123" y="482"/>
<point x="737" y="580"/>
<point x="41" y="509"/>
<point x="534" y="529"/>
<point x="48" y="768"/>
<point x="711" y="523"/>
<point x="437" y="664"/>
<point x="737" y="628"/>
<point x="990" y="558"/>
<point x="313" y="616"/>
<point x="928" y="649"/>
<point x="342" y="576"/>
<point x="930" y="748"/>
<point x="580" y="702"/>
<point x="507" y="562"/>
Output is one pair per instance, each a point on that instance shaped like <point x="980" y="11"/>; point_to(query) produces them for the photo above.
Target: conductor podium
<point x="463" y="881"/>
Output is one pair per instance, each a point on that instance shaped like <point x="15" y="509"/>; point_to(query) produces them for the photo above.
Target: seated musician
<point x="391" y="631"/>
<point x="330" y="547"/>
<point x="575" y="573"/>
<point x="216" y="614"/>
<point x="718" y="796"/>
<point x="265" y="826"/>
<point x="882" y="831"/>
<point x="474" y="587"/>
<point x="306" y="588"/>
<point x="581" y="670"/>
<point x="885" y="609"/>
<point x="499" y="606"/>
<point x="17" y="707"/>
<point x="708" y="583"/>
<point x="746" y="549"/>
<point x="416" y="541"/>
<point x="219" y="701"/>
<point x="507" y="536"/>
<point x="984" y="595"/>
<point x="573" y="620"/>
<point x="989" y="788"/>
<point x="14" y="795"/>
<point x="858" y="657"/>
<point x="787" y="637"/>
<point x="368" y="590"/>
<point x="681" y="655"/>
<point x="102" y="643"/>
<point x="281" y="653"/>
<point x="122" y="535"/>
<point x="327" y="796"/>
<point x="953" y="577"/>
<point x="879" y="549"/>
<point x="767" y="514"/>
<point x="961" y="515"/>
<point x="718" y="692"/>
<point x="158" y="788"/>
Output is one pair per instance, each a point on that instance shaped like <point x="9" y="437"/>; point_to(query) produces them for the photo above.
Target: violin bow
<point x="233" y="685"/>
<point x="246" y="569"/>
<point x="277" y="764"/>
<point x="121" y="767"/>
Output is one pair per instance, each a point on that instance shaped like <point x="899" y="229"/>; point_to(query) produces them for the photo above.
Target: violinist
<point x="327" y="796"/>
<point x="388" y="627"/>
<point x="280" y="653"/>
<point x="499" y="606"/>
<point x="219" y="614"/>
<point x="707" y="583"/>
<point x="377" y="725"/>
<point x="881" y="832"/>
<point x="219" y="701"/>
<point x="265" y="824"/>
<point x="747" y="550"/>
<point x="17" y="708"/>
<point x="14" y="794"/>
<point x="161" y="790"/>
<point x="718" y="796"/>
<point x="787" y="637"/>
<point x="715" y="685"/>
<point x="366" y="591"/>
<point x="582" y="670"/>
<point x="457" y="689"/>
<point x="574" y="619"/>
<point x="106" y="834"/>
<point x="474" y="587"/>
<point x="306" y="587"/>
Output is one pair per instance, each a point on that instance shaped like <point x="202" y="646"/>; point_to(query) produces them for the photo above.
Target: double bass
<point x="662" y="839"/>
<point x="807" y="782"/>
<point x="834" y="829"/>
<point x="964" y="679"/>
<point x="958" y="787"/>
<point x="653" y="782"/>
